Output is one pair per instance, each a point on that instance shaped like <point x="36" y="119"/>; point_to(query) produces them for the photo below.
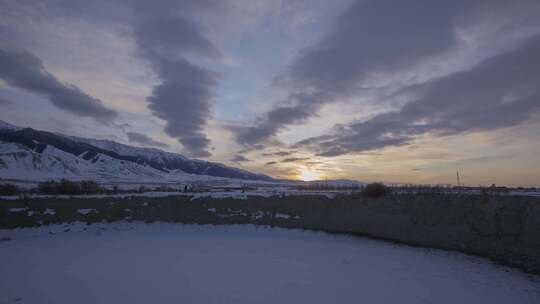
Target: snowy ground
<point x="173" y="263"/>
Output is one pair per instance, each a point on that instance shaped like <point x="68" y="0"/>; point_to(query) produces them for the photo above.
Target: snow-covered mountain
<point x="28" y="154"/>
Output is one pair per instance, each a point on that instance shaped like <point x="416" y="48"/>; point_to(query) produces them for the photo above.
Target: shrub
<point x="375" y="190"/>
<point x="65" y="186"/>
<point x="90" y="187"/>
<point x="9" y="189"/>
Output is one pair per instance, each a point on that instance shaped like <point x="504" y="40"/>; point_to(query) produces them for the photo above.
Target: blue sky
<point x="396" y="91"/>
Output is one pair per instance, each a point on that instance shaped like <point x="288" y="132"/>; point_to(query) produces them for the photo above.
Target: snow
<point x="172" y="263"/>
<point x="269" y="192"/>
<point x="49" y="211"/>
<point x="258" y="215"/>
<point x="86" y="211"/>
<point x="121" y="149"/>
<point x="17" y="209"/>
<point x="254" y="215"/>
<point x="21" y="163"/>
<point x="227" y="194"/>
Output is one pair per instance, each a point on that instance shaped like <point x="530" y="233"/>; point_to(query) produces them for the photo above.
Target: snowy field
<point x="174" y="263"/>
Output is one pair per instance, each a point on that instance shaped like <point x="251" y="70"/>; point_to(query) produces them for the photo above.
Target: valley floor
<point x="125" y="262"/>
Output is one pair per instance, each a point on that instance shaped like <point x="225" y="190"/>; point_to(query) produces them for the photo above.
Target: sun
<point x="307" y="174"/>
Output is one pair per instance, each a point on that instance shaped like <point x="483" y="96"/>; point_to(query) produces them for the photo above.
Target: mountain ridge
<point x="153" y="162"/>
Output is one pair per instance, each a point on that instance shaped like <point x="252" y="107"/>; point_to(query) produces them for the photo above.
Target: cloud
<point x="183" y="101"/>
<point x="270" y="163"/>
<point x="294" y="159"/>
<point x="240" y="158"/>
<point x="23" y="70"/>
<point x="143" y="139"/>
<point x="183" y="98"/>
<point x="279" y="153"/>
<point x="376" y="36"/>
<point x="370" y="37"/>
<point x="379" y="39"/>
<point x="169" y="36"/>
<point x="497" y="93"/>
<point x="307" y="104"/>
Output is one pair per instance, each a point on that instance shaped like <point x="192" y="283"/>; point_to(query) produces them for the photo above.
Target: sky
<point x="373" y="90"/>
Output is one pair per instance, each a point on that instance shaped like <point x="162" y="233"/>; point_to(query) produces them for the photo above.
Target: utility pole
<point x="457" y="178"/>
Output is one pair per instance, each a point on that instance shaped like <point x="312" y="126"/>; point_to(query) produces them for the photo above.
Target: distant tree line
<point x="89" y="187"/>
<point x="9" y="189"/>
<point x="52" y="187"/>
<point x="327" y="187"/>
<point x="84" y="187"/>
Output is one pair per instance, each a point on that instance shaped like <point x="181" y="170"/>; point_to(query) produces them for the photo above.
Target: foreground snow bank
<point x="165" y="263"/>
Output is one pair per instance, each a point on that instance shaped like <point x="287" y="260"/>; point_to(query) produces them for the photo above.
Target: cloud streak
<point x="277" y="119"/>
<point x="294" y="159"/>
<point x="23" y="70"/>
<point x="497" y="93"/>
<point x="183" y="98"/>
<point x="278" y="153"/>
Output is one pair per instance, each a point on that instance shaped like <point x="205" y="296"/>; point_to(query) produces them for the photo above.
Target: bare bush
<point x="375" y="190"/>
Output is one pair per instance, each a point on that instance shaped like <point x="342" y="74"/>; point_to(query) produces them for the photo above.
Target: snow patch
<point x="49" y="211"/>
<point x="17" y="209"/>
<point x="86" y="211"/>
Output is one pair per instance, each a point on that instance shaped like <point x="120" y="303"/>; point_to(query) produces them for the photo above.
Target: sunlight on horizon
<point x="307" y="175"/>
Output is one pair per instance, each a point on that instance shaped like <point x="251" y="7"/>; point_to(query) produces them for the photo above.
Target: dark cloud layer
<point x="376" y="36"/>
<point x="183" y="98"/>
<point x="183" y="101"/>
<point x="144" y="139"/>
<point x="169" y="36"/>
<point x="23" y="70"/>
<point x="500" y="92"/>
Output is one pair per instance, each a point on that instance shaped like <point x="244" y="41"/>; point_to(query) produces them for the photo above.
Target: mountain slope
<point x="33" y="154"/>
<point x="172" y="161"/>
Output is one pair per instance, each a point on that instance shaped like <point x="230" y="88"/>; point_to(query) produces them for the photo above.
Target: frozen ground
<point x="173" y="263"/>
